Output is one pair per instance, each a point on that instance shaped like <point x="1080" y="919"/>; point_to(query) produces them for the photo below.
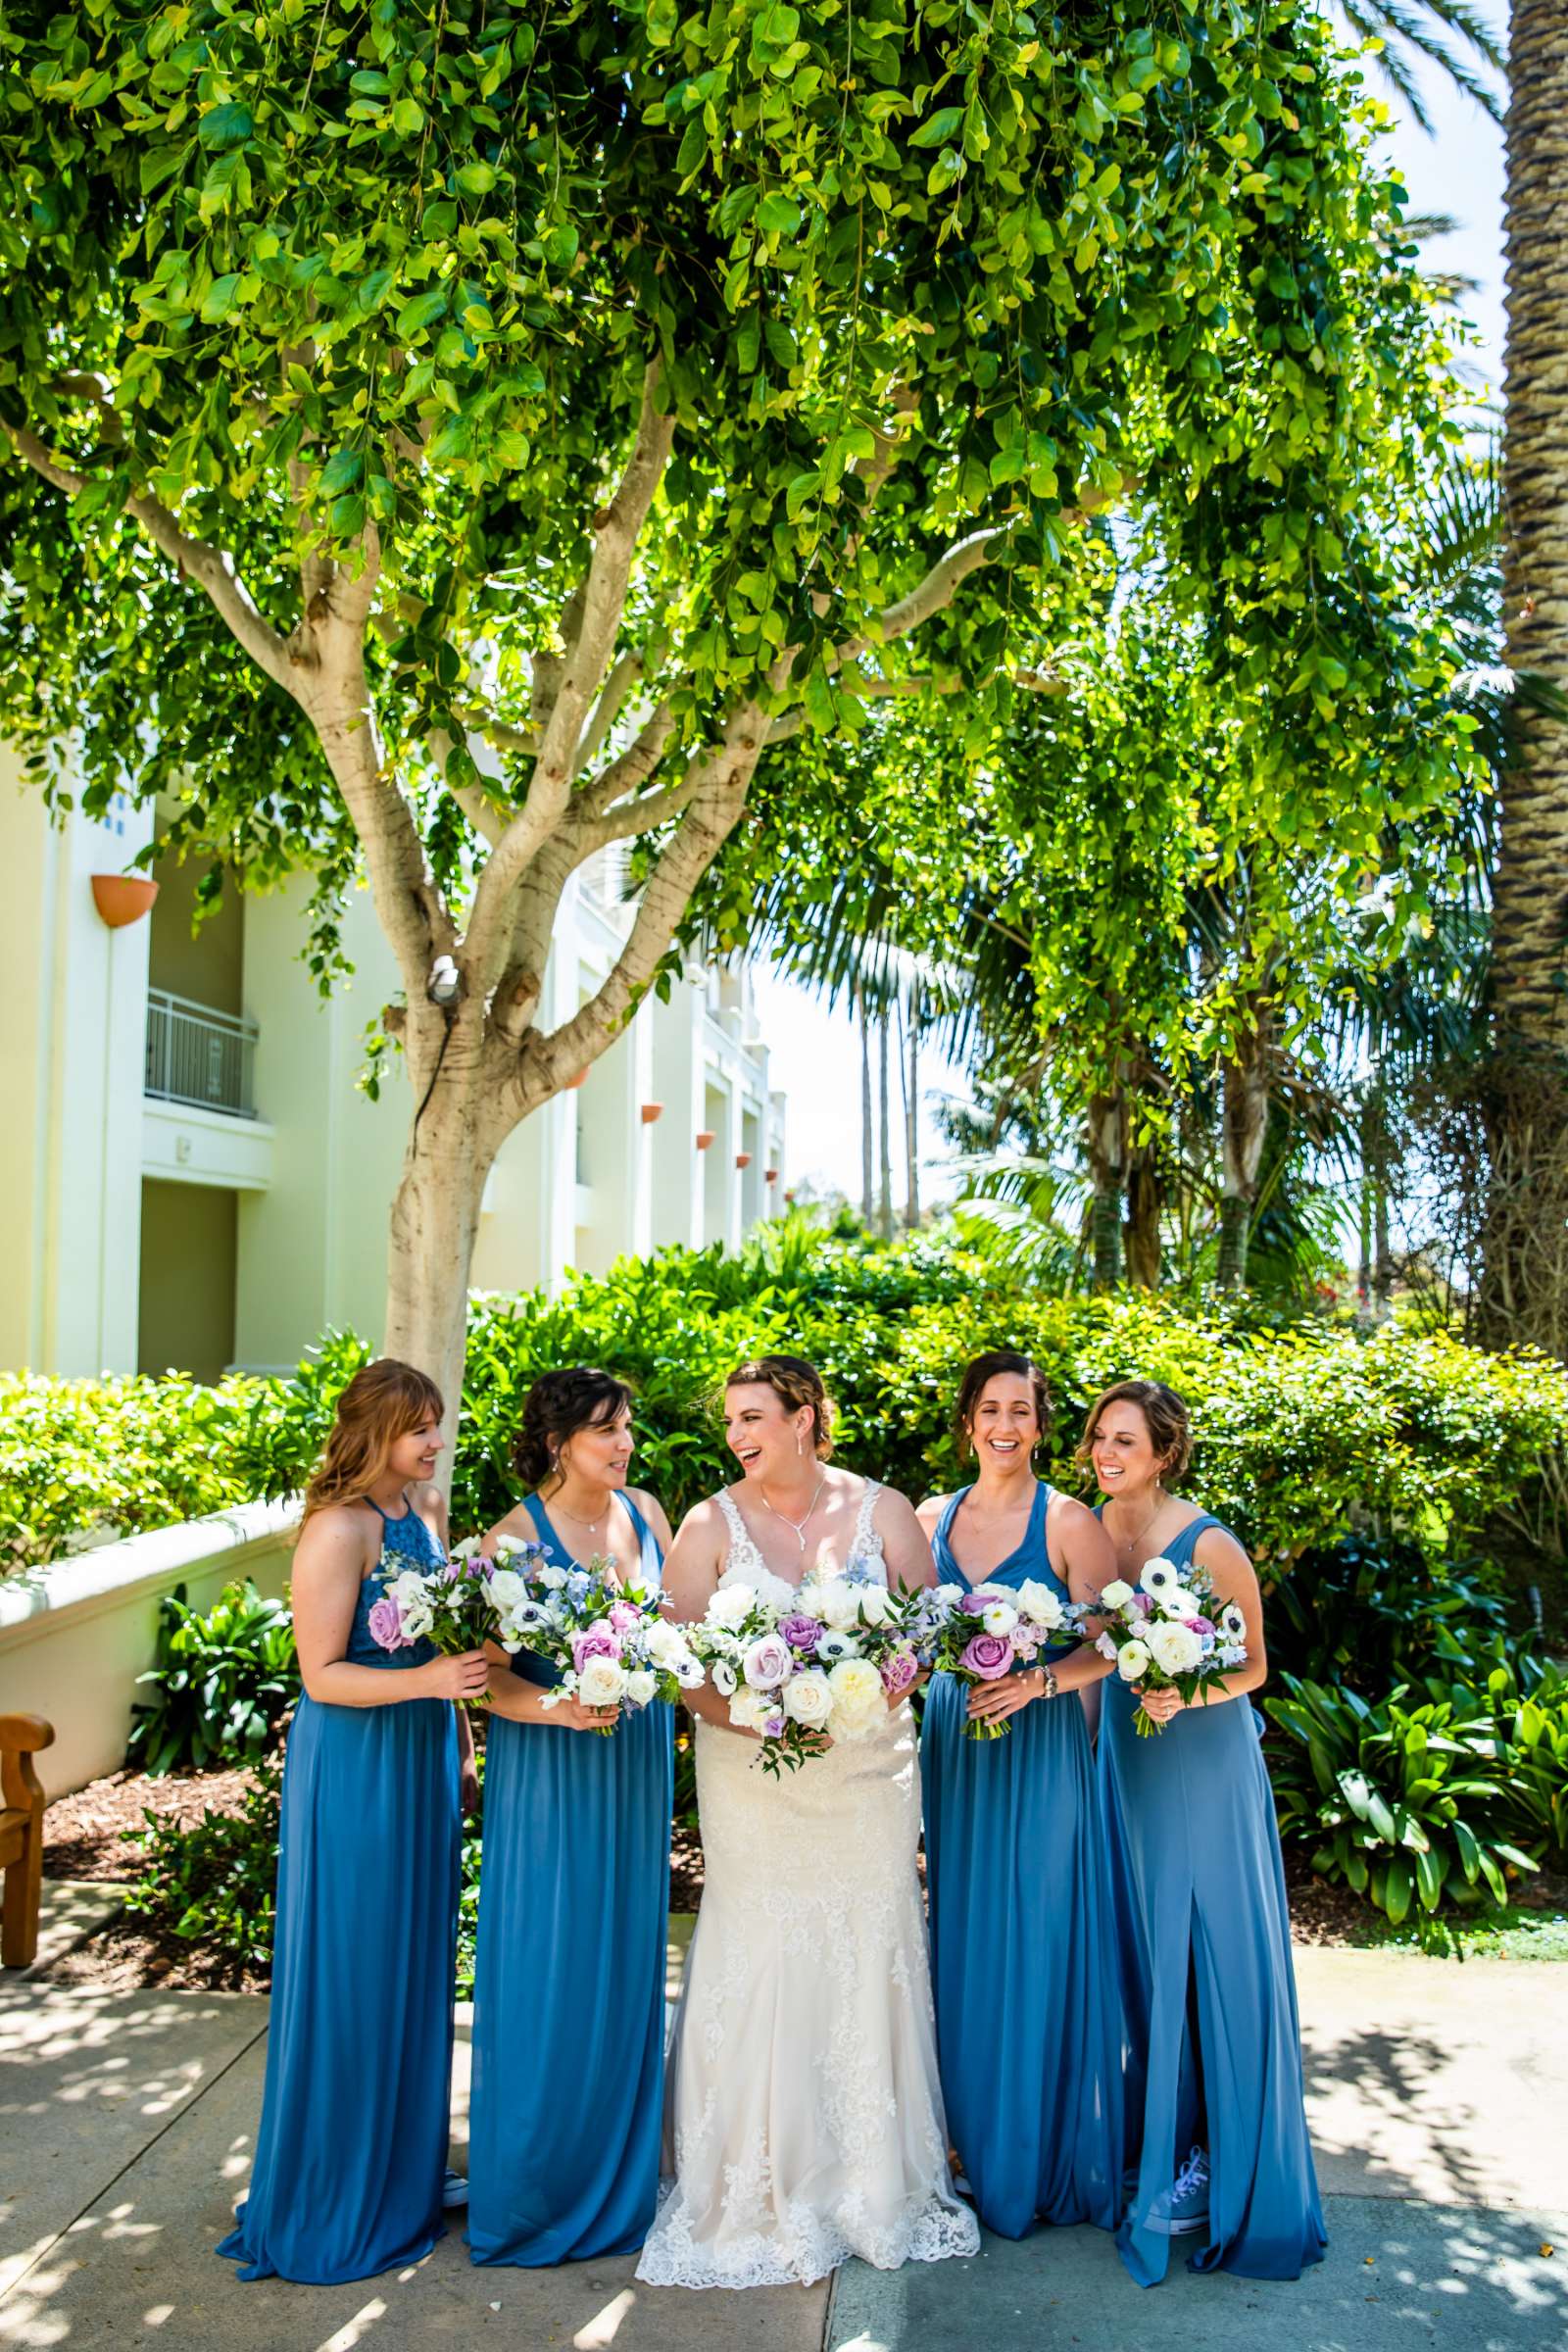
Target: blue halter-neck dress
<point x="1203" y="1937"/>
<point x="568" y="1992"/>
<point x="351" y="2154"/>
<point x="1022" y="1950"/>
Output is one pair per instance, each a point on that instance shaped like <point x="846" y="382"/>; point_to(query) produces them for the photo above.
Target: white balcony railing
<point x="199" y="1057"/>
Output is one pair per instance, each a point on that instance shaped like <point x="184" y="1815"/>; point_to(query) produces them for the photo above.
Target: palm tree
<point x="1439" y="32"/>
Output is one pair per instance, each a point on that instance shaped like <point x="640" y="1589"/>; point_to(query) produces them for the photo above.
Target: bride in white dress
<point x="804" y="2119"/>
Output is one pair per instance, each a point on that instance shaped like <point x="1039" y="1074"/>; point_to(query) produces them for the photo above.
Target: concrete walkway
<point x="1439" y="2099"/>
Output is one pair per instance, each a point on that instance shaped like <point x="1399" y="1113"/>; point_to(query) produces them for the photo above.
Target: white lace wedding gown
<point x="803" y="2108"/>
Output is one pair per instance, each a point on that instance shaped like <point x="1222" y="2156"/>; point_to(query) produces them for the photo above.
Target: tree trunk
<point x="885" y="1139"/>
<point x="435" y="1223"/>
<point x="1142" y="1217"/>
<point x="1526" y="1097"/>
<point x="912" y="1109"/>
<point x="1244" y="1120"/>
<point x="868" y="1201"/>
<point x="1107" y="1146"/>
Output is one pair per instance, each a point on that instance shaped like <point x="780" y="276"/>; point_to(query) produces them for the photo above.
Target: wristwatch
<point x="1047" y="1682"/>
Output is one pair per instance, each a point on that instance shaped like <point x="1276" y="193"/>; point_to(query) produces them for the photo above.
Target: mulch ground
<point x="84" y="1838"/>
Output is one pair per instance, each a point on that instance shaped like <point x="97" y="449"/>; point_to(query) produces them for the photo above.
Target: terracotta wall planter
<point x="743" y="1159"/>
<point x="652" y="1111"/>
<point x="123" y="899"/>
<point x="705" y="1136"/>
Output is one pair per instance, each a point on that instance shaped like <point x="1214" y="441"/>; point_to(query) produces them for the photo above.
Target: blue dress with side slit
<point x="1204" y="1936"/>
<point x="568" y="1994"/>
<point x="1022" y="1948"/>
<point x="351" y="2153"/>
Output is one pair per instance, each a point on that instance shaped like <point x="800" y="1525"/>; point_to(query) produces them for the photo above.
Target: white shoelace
<point x="1193" y="2175"/>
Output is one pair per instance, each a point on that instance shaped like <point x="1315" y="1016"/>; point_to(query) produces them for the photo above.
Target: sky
<point x="1458" y="170"/>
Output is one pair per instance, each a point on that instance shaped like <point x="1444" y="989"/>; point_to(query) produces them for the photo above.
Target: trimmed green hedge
<point x="1304" y="1434"/>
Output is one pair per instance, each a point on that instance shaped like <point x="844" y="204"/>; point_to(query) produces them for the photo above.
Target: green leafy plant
<point x="222" y="1683"/>
<point x="214" y="1885"/>
<point x="1405" y="1801"/>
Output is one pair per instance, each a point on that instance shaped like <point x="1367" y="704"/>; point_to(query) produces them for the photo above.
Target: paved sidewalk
<point x="1438" y="2097"/>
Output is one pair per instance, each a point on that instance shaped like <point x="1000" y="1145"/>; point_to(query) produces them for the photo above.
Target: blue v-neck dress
<point x="1204" y="1939"/>
<point x="569" y="1993"/>
<point x="1023" y="1952"/>
<point x="351" y="2154"/>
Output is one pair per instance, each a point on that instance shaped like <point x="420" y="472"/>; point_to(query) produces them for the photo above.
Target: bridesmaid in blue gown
<point x="1022" y="1949"/>
<point x="350" y="2158"/>
<point x="1216" y="2126"/>
<point x="568" y="2007"/>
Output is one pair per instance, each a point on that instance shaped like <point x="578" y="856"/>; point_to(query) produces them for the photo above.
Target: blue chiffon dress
<point x="1022" y="1947"/>
<point x="568" y="1994"/>
<point x="351" y="2154"/>
<point x="1204" y="1935"/>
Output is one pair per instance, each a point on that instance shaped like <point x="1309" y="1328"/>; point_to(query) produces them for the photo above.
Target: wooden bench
<point x="21" y="1834"/>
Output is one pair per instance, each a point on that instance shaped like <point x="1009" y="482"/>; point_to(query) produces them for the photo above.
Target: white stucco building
<point x="189" y="1176"/>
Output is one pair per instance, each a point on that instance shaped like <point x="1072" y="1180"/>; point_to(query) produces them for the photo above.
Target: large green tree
<point x="449" y="440"/>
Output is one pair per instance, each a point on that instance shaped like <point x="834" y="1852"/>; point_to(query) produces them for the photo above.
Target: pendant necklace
<point x="797" y="1527"/>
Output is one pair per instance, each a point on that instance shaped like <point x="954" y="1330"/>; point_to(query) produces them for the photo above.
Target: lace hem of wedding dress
<point x="801" y="2246"/>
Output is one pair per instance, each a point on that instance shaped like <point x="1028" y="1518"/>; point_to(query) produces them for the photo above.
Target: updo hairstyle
<point x="797" y="1385"/>
<point x="971" y="1388"/>
<point x="1170" y="1428"/>
<point x="555" y="1408"/>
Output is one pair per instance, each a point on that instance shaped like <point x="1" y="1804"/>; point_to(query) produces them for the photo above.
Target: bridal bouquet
<point x="982" y="1633"/>
<point x="804" y="1665"/>
<point x="1170" y="1635"/>
<point x="455" y="1603"/>
<point x="613" y="1642"/>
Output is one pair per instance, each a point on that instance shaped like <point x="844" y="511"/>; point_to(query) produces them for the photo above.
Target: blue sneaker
<point x="455" y="2191"/>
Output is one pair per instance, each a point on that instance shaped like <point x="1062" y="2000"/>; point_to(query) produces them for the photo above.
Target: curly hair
<point x="797" y="1386"/>
<point x="559" y="1405"/>
<point x="382" y="1403"/>
<point x="1166" y="1413"/>
<point x="971" y="1388"/>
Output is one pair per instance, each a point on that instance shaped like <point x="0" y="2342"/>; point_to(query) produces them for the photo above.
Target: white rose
<point x="1179" y="1602"/>
<point x="838" y="1604"/>
<point x="508" y="1546"/>
<point x="550" y="1577"/>
<point x="749" y="1710"/>
<point x="602" y="1683"/>
<point x="467" y="1548"/>
<point x="858" y="1697"/>
<point x="1132" y="1661"/>
<point x="641" y="1686"/>
<point x="1040" y="1604"/>
<point x="876" y="1606"/>
<point x="1000" y="1617"/>
<point x="507" y="1589"/>
<point x="725" y="1679"/>
<point x="1118" y="1593"/>
<point x="1174" y="1648"/>
<point x="666" y="1644"/>
<point x="808" y="1697"/>
<point x="730" y="1605"/>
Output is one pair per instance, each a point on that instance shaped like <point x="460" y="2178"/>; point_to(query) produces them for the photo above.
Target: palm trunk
<point x="863" y="1018"/>
<point x="1143" y="1218"/>
<point x="1527" y="1095"/>
<point x="911" y="1111"/>
<point x="886" y="1138"/>
<point x="1244" y="1120"/>
<point x="1106" y="1146"/>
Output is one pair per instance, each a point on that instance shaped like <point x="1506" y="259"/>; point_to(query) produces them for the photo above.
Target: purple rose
<point x="802" y="1633"/>
<point x="975" y="1605"/>
<point x="899" y="1672"/>
<point x="988" y="1655"/>
<point x="768" y="1663"/>
<point x="387" y="1624"/>
<point x="597" y="1643"/>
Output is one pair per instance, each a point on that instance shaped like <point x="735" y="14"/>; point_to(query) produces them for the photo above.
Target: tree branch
<point x="635" y="764"/>
<point x="620" y="683"/>
<point x="640" y="816"/>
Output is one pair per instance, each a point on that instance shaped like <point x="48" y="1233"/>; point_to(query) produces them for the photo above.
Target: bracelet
<point x="1047" y="1682"/>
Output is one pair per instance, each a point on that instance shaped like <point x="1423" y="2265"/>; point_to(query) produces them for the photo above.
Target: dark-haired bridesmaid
<point x="1217" y="2123"/>
<point x="1022" y="1950"/>
<point x="569" y="2008"/>
<point x="350" y="2160"/>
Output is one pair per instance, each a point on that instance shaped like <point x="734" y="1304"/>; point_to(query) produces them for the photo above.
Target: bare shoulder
<point x="1070" y="1515"/>
<point x="653" y="1510"/>
<point x="930" y="1511"/>
<point x="892" y="1507"/>
<point x="335" y="1540"/>
<point x="1223" y="1554"/>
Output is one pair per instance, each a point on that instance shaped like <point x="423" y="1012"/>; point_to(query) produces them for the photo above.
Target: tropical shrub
<point x="1409" y="1800"/>
<point x="221" y="1681"/>
<point x="1372" y="1612"/>
<point x="214" y="1885"/>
